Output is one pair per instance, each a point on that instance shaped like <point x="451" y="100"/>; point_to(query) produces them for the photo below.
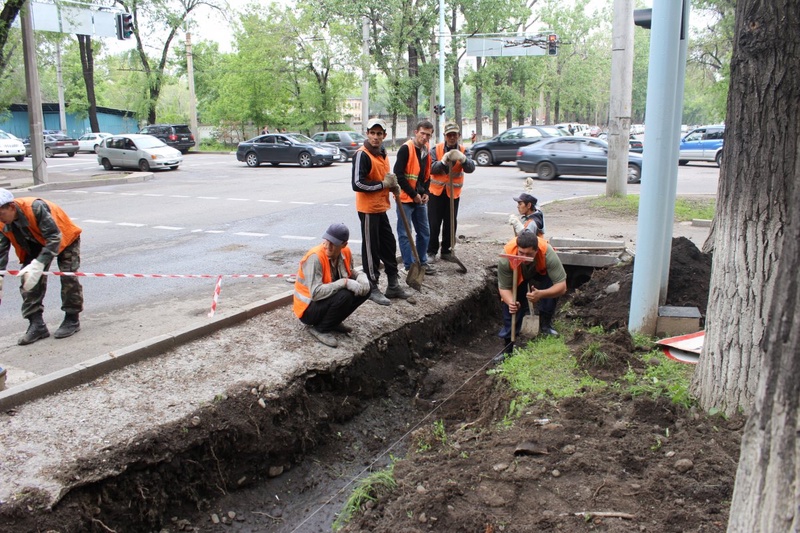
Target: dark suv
<point x="347" y="141"/>
<point x="176" y="135"/>
<point x="504" y="147"/>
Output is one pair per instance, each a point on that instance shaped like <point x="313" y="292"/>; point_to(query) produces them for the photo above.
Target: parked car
<point x="55" y="144"/>
<point x="134" y="150"/>
<point x="10" y="146"/>
<point x="636" y="142"/>
<point x="348" y="141"/>
<point x="175" y="135"/>
<point x="277" y="148"/>
<point x="581" y="156"/>
<point x="702" y="144"/>
<point x="504" y="147"/>
<point x="88" y="142"/>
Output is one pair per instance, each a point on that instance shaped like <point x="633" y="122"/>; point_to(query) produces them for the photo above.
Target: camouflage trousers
<point x="69" y="260"/>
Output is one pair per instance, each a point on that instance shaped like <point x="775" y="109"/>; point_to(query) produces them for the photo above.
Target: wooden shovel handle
<point x="408" y="228"/>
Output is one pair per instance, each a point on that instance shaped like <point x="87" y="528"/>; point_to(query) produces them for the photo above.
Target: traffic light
<point x="552" y="44"/>
<point x="643" y="17"/>
<point x="438" y="109"/>
<point x="124" y="26"/>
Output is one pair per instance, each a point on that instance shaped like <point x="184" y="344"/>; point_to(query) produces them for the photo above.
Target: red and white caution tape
<point x="217" y="290"/>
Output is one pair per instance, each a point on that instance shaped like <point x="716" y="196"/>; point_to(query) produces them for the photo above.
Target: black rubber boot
<point x="394" y="290"/>
<point x="37" y="330"/>
<point x="546" y="325"/>
<point x="377" y="296"/>
<point x="70" y="326"/>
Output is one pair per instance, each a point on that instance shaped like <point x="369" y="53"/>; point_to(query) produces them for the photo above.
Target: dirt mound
<point x="606" y="299"/>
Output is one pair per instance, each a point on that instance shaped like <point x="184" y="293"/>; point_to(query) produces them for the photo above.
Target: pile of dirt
<point x="605" y="300"/>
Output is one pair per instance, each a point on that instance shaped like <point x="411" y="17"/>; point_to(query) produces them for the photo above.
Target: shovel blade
<point x="415" y="277"/>
<point x="530" y="326"/>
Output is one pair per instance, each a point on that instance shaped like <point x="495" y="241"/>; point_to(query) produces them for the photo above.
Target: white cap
<point x="6" y="197"/>
<point x="376" y="122"/>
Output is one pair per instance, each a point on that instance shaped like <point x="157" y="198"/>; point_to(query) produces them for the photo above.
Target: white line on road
<point x="341" y="205"/>
<point x="214" y="231"/>
<point x="251" y="234"/>
<point x="152" y="194"/>
<point x="102" y="192"/>
<point x="171" y="228"/>
<point x="302" y="203"/>
<point x="92" y="221"/>
<point x="495" y="213"/>
<point x="131" y="224"/>
<point x="271" y="201"/>
<point x="179" y="196"/>
<point x="208" y="198"/>
<point x="238" y="199"/>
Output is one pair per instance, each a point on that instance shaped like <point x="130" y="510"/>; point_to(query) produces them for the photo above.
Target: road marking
<point x="238" y="199"/>
<point x="251" y="234"/>
<point x="271" y="201"/>
<point x="208" y="198"/>
<point x="214" y="231"/>
<point x="93" y="221"/>
<point x="341" y="205"/>
<point x="179" y="196"/>
<point x="102" y="192"/>
<point x="303" y="203"/>
<point x="131" y="224"/>
<point x="300" y="237"/>
<point x="494" y="213"/>
<point x="151" y="194"/>
<point x="171" y="228"/>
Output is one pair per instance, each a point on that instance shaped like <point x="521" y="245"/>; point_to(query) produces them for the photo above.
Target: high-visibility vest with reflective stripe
<point x="539" y="261"/>
<point x="440" y="182"/>
<point x="374" y="202"/>
<point x="69" y="231"/>
<point x="302" y="292"/>
<point x="413" y="169"/>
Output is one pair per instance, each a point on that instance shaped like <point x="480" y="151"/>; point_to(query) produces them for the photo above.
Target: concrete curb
<point x="701" y="222"/>
<point x="87" y="371"/>
<point x="136" y="177"/>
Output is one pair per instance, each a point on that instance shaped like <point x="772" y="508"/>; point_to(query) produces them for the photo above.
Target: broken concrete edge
<point x="86" y="371"/>
<point x="701" y="222"/>
<point x="136" y="177"/>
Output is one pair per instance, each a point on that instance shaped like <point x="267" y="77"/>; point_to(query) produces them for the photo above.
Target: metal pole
<point x="62" y="113"/>
<point x="441" y="68"/>
<point x="659" y="157"/>
<point x="365" y="75"/>
<point x="619" y="126"/>
<point x="192" y="96"/>
<point x="34" y="96"/>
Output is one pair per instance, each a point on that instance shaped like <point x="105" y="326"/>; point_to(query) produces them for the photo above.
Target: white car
<point x="135" y="150"/>
<point x="10" y="146"/>
<point x="88" y="142"/>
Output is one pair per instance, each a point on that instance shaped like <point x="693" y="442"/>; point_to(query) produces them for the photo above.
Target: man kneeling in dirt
<point x="327" y="290"/>
<point x="541" y="282"/>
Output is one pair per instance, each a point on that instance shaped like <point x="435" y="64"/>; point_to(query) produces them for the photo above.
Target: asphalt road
<point x="216" y="216"/>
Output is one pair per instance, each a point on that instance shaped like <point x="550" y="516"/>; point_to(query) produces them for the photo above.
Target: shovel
<point x="453" y="258"/>
<point x="416" y="274"/>
<point x="515" y="261"/>
<point x="530" y="324"/>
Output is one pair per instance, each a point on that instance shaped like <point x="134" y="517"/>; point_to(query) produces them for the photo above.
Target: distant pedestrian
<point x="473" y="137"/>
<point x="528" y="215"/>
<point x="265" y="130"/>
<point x="39" y="231"/>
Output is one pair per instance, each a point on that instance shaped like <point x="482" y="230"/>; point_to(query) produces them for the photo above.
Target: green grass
<point x="685" y="208"/>
<point x="370" y="488"/>
<point x="667" y="378"/>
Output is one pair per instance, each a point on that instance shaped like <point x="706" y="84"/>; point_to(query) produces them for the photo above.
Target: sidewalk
<point x="22" y="179"/>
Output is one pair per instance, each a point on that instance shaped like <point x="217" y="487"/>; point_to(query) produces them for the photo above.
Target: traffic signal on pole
<point x="124" y="26"/>
<point x="643" y="17"/>
<point x="552" y="44"/>
<point x="438" y="109"/>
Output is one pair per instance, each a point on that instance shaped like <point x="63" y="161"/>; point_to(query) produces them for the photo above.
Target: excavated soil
<point x="604" y="461"/>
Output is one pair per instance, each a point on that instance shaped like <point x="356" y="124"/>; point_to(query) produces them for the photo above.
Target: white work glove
<point x="390" y="181"/>
<point x="456" y="156"/>
<point x="340" y="283"/>
<point x="363" y="283"/>
<point x="353" y="286"/>
<point x="446" y="158"/>
<point x="31" y="274"/>
<point x="516" y="223"/>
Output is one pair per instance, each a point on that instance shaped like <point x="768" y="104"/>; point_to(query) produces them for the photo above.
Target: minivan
<point x="175" y="135"/>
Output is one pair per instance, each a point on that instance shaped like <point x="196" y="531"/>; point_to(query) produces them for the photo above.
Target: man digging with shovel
<point x="540" y="279"/>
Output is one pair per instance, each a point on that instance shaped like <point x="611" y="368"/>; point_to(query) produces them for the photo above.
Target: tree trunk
<point x="753" y="209"/>
<point x="413" y="97"/>
<point x="478" y="100"/>
<point x="7" y="16"/>
<point x="87" y="62"/>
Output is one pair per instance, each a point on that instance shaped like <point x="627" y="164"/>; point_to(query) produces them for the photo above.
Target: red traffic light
<point x="552" y="44"/>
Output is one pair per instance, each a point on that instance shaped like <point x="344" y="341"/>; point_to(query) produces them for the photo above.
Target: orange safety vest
<point x="440" y="182"/>
<point x="539" y="261"/>
<point x="69" y="231"/>
<point x="413" y="169"/>
<point x="374" y="202"/>
<point x="302" y="292"/>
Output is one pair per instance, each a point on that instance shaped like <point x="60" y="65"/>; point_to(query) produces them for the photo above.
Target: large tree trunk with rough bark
<point x="761" y="152"/>
<point x="755" y="329"/>
<point x="87" y="62"/>
<point x="478" y="101"/>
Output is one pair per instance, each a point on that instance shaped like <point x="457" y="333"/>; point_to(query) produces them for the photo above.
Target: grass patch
<point x="370" y="488"/>
<point x="666" y="377"/>
<point x="685" y="208"/>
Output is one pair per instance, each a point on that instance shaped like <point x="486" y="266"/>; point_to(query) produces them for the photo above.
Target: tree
<point x="753" y="209"/>
<point x="7" y="17"/>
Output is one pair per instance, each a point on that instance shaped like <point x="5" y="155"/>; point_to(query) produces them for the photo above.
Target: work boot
<point x="36" y="330"/>
<point x="430" y="270"/>
<point x="394" y="290"/>
<point x="546" y="325"/>
<point x="70" y="326"/>
<point x="325" y="338"/>
<point x="508" y="349"/>
<point x="342" y="328"/>
<point x="377" y="296"/>
<point x="447" y="257"/>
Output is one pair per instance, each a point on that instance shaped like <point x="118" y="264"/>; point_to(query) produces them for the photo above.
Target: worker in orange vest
<point x="327" y="289"/>
<point x="39" y="231"/>
<point x="449" y="163"/>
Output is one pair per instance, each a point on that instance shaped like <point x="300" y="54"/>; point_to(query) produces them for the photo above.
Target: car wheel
<point x="546" y="170"/>
<point x="682" y="162"/>
<point x="48" y="152"/>
<point x="184" y="150"/>
<point x="19" y="157"/>
<point x="95" y="149"/>
<point x="342" y="157"/>
<point x="483" y="158"/>
<point x="144" y="166"/>
<point x="274" y="164"/>
<point x="107" y="164"/>
<point x="71" y="154"/>
<point x="718" y="159"/>
<point x="304" y="160"/>
<point x="634" y="174"/>
<point x="251" y="159"/>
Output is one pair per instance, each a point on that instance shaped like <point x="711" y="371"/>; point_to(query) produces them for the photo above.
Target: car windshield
<point x="298" y="137"/>
<point x="555" y="132"/>
<point x="4" y="135"/>
<point x="357" y="137"/>
<point x="149" y="142"/>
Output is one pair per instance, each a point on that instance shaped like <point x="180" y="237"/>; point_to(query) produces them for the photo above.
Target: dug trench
<point x="264" y="459"/>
